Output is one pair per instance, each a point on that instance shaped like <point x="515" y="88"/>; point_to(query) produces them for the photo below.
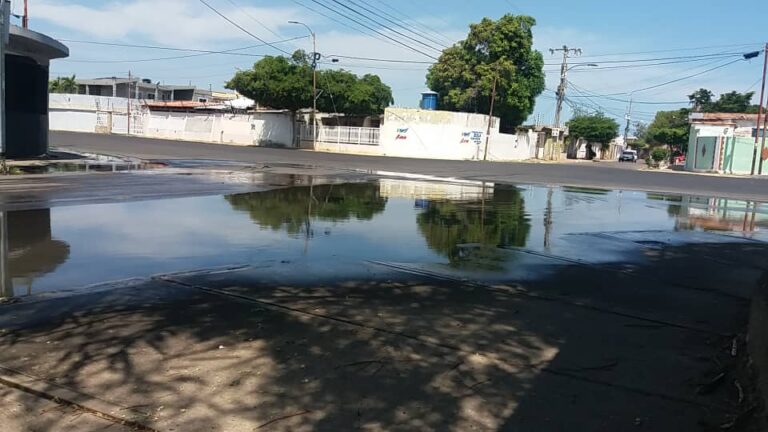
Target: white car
<point x="628" y="156"/>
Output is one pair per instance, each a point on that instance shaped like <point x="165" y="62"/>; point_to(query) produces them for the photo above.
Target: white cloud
<point x="167" y="22"/>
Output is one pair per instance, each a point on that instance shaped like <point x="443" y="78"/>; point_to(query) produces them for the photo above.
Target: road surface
<point x="609" y="175"/>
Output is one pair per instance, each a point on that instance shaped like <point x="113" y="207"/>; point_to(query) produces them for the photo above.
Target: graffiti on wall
<point x="473" y="137"/>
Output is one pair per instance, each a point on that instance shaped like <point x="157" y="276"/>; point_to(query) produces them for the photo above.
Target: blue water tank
<point x="429" y="100"/>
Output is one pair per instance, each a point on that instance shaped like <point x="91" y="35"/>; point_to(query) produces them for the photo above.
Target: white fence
<point x="342" y="135"/>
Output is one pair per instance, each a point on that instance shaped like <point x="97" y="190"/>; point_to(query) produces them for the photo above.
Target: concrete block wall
<point x="97" y="114"/>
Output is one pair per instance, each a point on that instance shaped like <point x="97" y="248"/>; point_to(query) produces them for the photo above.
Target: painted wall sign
<point x="474" y="137"/>
<point x="402" y="134"/>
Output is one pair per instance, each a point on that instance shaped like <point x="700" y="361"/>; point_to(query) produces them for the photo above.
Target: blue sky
<point x="606" y="31"/>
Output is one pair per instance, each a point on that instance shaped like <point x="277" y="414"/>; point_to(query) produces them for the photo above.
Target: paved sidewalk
<point x="552" y="343"/>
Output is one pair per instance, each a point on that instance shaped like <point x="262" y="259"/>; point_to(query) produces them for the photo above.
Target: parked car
<point x="628" y="156"/>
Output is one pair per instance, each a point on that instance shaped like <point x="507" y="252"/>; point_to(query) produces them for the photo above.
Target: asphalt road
<point x="609" y="175"/>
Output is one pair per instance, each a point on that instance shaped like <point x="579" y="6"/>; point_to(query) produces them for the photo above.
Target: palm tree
<point x="63" y="85"/>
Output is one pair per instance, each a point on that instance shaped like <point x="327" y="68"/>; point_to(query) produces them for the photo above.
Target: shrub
<point x="659" y="154"/>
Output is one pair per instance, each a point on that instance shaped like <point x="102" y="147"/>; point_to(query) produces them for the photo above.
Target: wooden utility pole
<point x="25" y="18"/>
<point x="561" y="89"/>
<point x="760" y="111"/>
<point x="490" y="117"/>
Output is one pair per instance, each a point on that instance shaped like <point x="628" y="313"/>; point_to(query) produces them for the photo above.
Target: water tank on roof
<point x="429" y="101"/>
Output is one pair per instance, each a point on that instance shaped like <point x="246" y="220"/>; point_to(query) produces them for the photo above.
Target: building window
<point x="150" y="96"/>
<point x="203" y="100"/>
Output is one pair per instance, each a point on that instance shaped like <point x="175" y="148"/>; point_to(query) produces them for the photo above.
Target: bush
<point x="659" y="154"/>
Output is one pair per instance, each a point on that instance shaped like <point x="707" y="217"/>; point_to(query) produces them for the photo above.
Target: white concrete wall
<point x="81" y="113"/>
<point x="434" y="134"/>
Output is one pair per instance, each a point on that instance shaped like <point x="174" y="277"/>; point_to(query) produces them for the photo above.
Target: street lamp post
<point x="314" y="81"/>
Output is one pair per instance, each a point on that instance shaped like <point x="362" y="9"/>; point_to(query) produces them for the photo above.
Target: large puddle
<point x="464" y="226"/>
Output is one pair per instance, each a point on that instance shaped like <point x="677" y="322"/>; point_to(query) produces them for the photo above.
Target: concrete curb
<point x="81" y="401"/>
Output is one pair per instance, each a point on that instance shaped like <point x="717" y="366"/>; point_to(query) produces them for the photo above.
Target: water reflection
<point x="27" y="249"/>
<point x="292" y="209"/>
<point x="464" y="225"/>
<point x="470" y="233"/>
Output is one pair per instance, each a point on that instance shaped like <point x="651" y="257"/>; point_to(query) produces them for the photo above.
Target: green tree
<point x="63" y="85"/>
<point x="344" y="92"/>
<point x="594" y="128"/>
<point x="470" y="233"/>
<point x="641" y="133"/>
<point x="701" y="99"/>
<point x="286" y="83"/>
<point x="733" y="102"/>
<point x="502" y="50"/>
<point x="670" y="128"/>
<point x="290" y="209"/>
<point x="276" y="82"/>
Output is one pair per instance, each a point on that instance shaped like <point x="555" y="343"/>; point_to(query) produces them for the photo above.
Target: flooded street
<point x="462" y="225"/>
<point x="367" y="302"/>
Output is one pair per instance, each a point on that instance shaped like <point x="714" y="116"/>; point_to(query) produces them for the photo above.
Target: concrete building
<point x="722" y="143"/>
<point x="27" y="58"/>
<point x="145" y="89"/>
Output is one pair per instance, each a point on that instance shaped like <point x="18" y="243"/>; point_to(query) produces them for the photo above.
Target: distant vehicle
<point x="628" y="156"/>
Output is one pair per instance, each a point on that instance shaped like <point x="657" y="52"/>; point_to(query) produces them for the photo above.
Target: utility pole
<point x="490" y="117"/>
<point x="315" y="58"/>
<point x="760" y="111"/>
<point x="629" y="119"/>
<point x="561" y="88"/>
<point x="5" y="24"/>
<point x="128" y="130"/>
<point x="25" y="18"/>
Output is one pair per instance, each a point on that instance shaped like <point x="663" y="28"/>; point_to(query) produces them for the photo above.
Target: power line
<point x="689" y="76"/>
<point x="200" y="52"/>
<point x="399" y="42"/>
<point x="700" y="56"/>
<point x="448" y="40"/>
<point x="633" y="66"/>
<point x="675" y="50"/>
<point x="254" y="19"/>
<point x="379" y="59"/>
<point x="242" y="28"/>
<point x="440" y="45"/>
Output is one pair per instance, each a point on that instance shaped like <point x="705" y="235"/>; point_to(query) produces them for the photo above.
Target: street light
<point x="314" y="81"/>
<point x="583" y="64"/>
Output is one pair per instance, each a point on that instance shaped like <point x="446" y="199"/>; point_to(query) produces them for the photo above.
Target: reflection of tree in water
<point x="675" y="202"/>
<point x="291" y="208"/>
<point x="469" y="233"/>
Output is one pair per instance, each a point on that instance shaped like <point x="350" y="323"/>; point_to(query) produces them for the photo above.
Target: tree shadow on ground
<point x="360" y="347"/>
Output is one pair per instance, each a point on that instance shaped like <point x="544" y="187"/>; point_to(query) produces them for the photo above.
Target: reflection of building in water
<point x="28" y="249"/>
<point x="434" y="190"/>
<point x="719" y="214"/>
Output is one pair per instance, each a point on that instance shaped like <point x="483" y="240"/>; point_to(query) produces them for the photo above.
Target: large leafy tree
<point x="276" y="82"/>
<point x="502" y="50"/>
<point x="669" y="128"/>
<point x="593" y="128"/>
<point x="286" y="83"/>
<point x="344" y="92"/>
<point x="63" y="85"/>
<point x="703" y="100"/>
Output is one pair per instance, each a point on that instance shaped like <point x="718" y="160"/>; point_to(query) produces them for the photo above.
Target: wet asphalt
<point x="271" y="296"/>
